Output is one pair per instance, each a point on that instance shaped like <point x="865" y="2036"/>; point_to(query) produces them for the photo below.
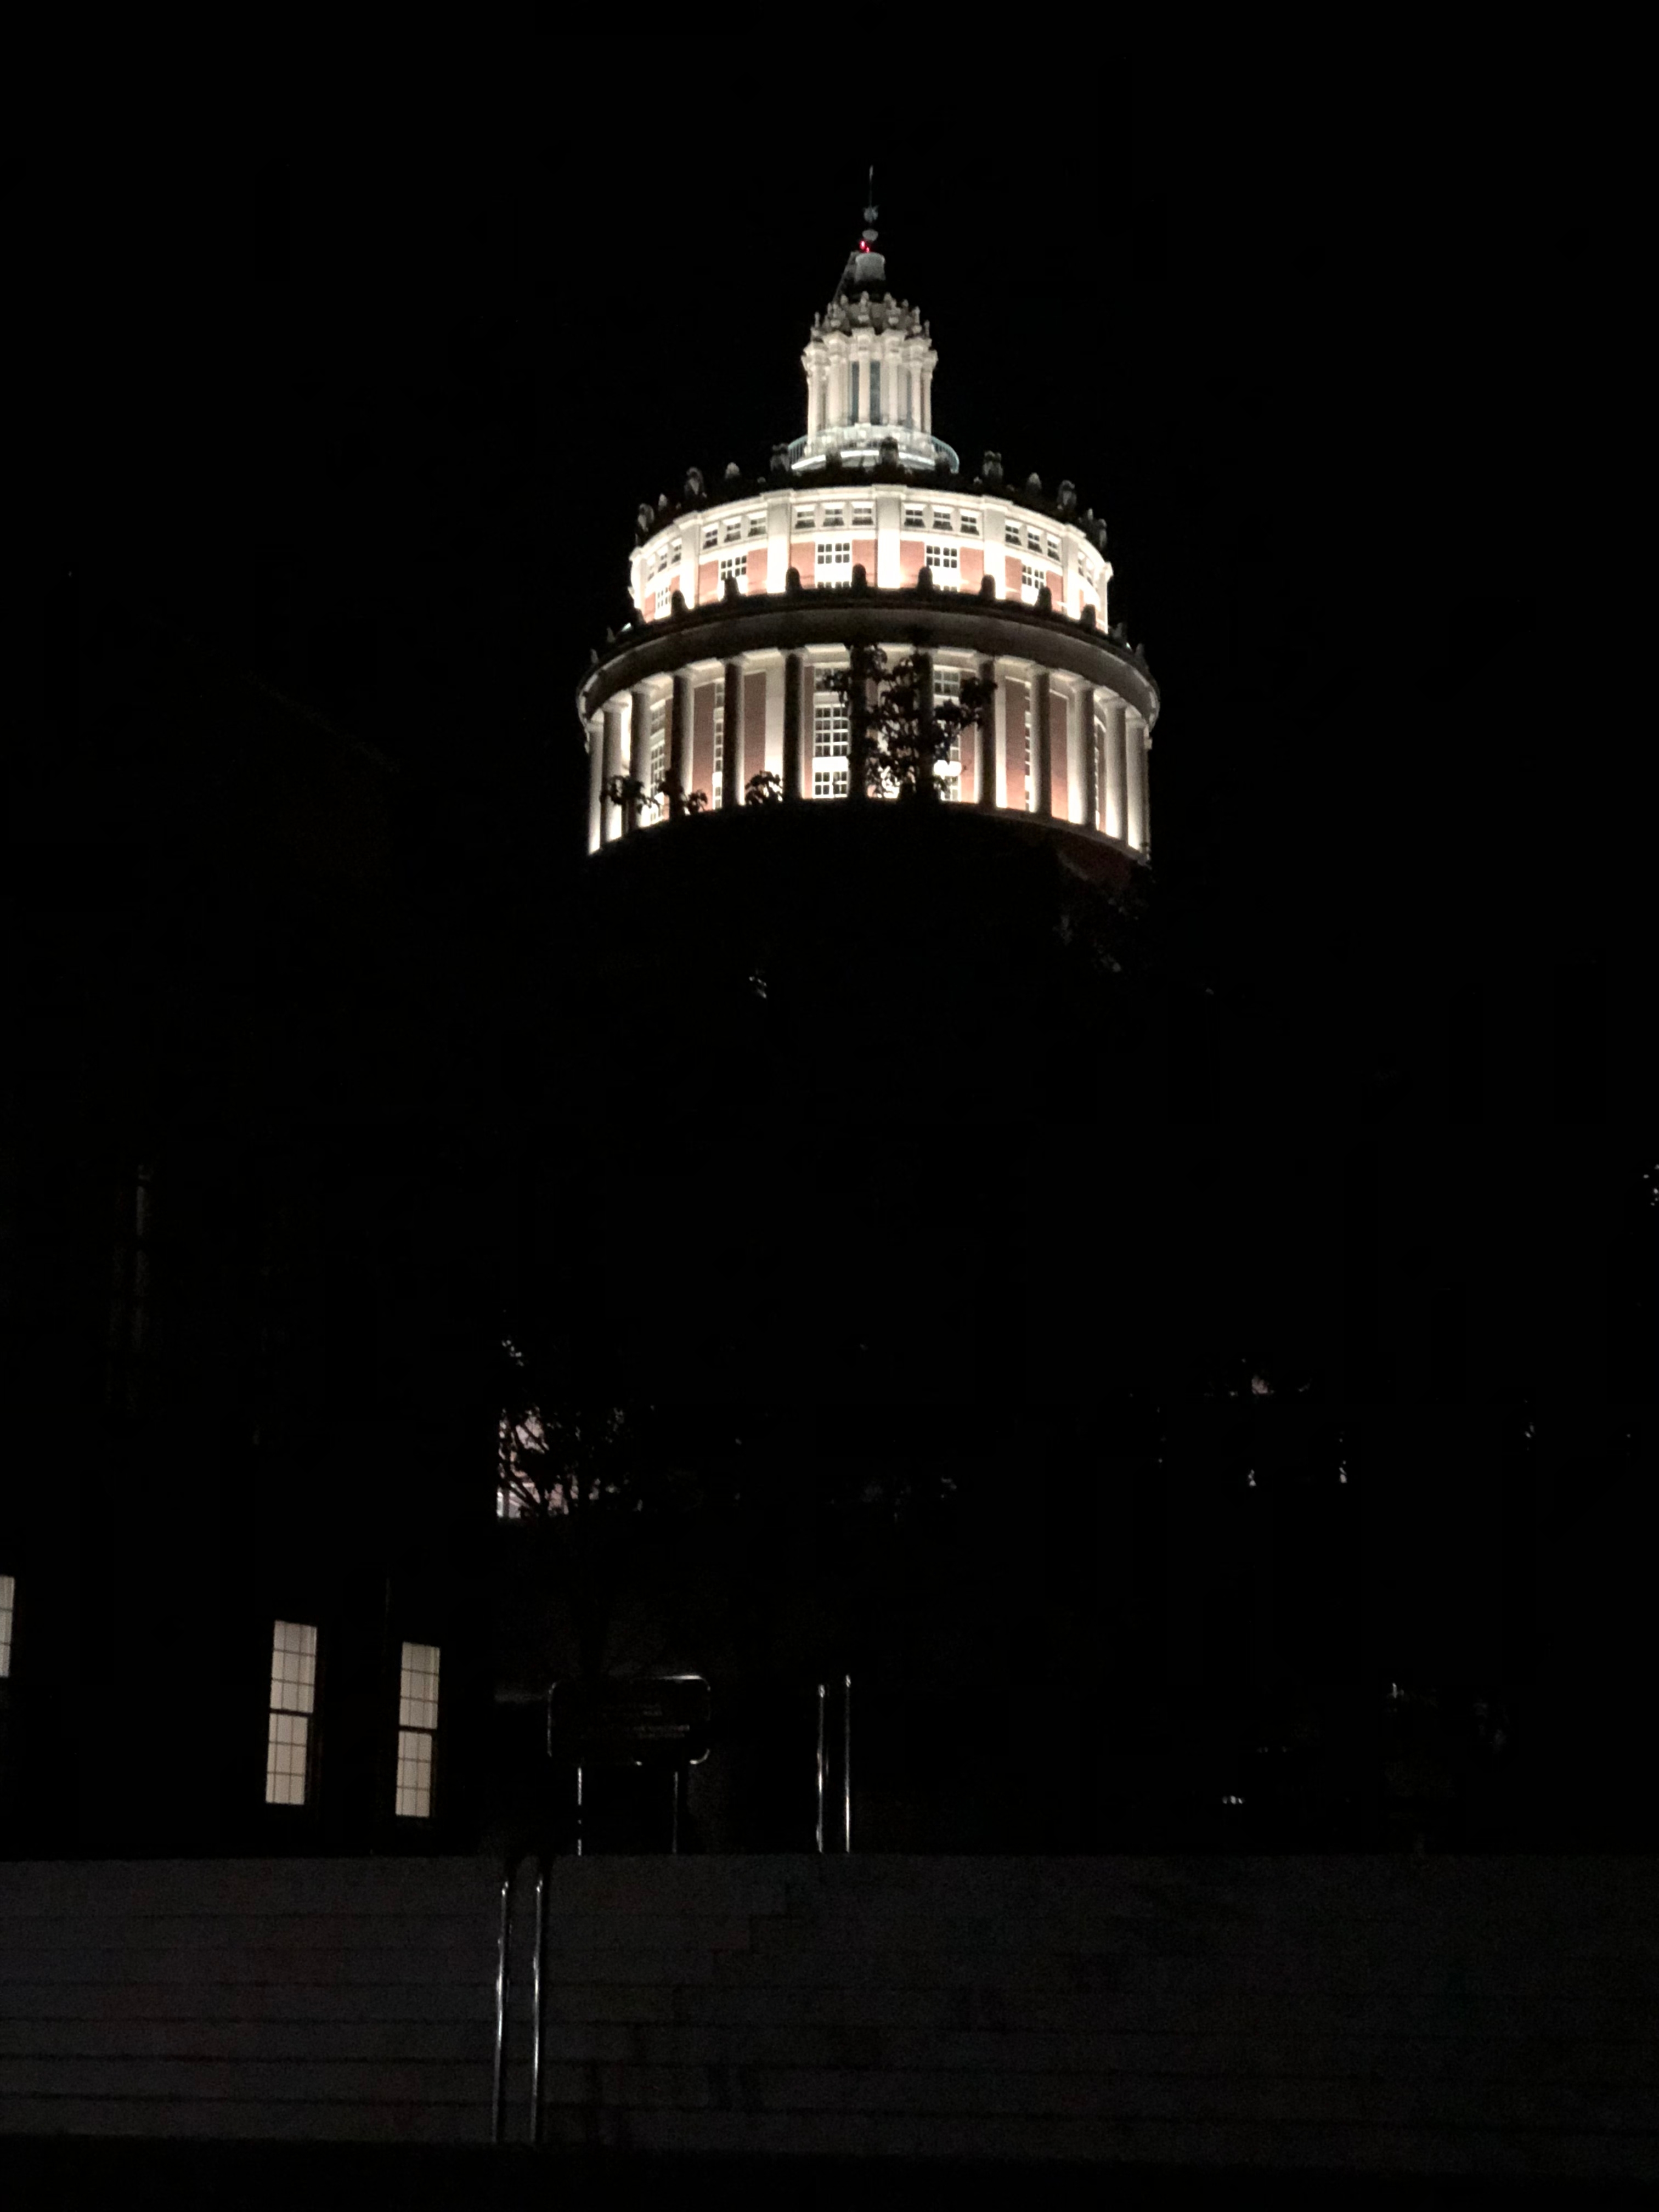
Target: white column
<point x="814" y="390"/>
<point x="612" y="766"/>
<point x="1091" y="764"/>
<point x="1144" y="752"/>
<point x="1114" y="801"/>
<point x="595" y="782"/>
<point x="1000" y="736"/>
<point x="1135" y="781"/>
<point x="731" y="751"/>
<point x="927" y="399"/>
<point x="771" y="664"/>
<point x="639" y="750"/>
<point x="984" y="742"/>
<point x="1042" y="743"/>
<point x="1077" y="759"/>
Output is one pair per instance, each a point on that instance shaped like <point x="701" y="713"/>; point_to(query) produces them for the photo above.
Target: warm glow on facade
<point x="865" y="533"/>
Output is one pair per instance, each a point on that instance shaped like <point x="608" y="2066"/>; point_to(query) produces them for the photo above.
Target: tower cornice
<point x="794" y="620"/>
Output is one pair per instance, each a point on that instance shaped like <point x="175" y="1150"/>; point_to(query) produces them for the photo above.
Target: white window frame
<point x="831" y="519"/>
<point x="915" y="518"/>
<point x="756" y="525"/>
<point x="968" y="523"/>
<point x="733" y="529"/>
<point x="288" y="1746"/>
<point x="418" y="1731"/>
<point x="1033" y="576"/>
<point x="832" y="736"/>
<point x="657" y="746"/>
<point x="1052" y="549"/>
<point x="676" y="551"/>
<point x="663" y="602"/>
<point x="832" y="562"/>
<point x="945" y="563"/>
<point x="804" y="518"/>
<point x="717" y="776"/>
<point x="1011" y="533"/>
<point x="864" y="517"/>
<point x="1033" y="539"/>
<point x="711" y="535"/>
<point x="735" y="564"/>
<point x="942" y="519"/>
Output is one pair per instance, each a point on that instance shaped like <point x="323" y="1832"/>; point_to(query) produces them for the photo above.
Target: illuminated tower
<point x="750" y="596"/>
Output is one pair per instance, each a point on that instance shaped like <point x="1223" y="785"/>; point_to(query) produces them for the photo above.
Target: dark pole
<point x="820" y="1767"/>
<point x="847" y="1762"/>
<point x="500" y="2077"/>
<point x="536" y="2003"/>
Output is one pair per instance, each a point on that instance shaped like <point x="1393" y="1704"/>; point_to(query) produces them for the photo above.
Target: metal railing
<point x="514" y="1866"/>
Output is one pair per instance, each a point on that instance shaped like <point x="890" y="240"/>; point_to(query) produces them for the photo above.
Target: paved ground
<point x="68" y="2173"/>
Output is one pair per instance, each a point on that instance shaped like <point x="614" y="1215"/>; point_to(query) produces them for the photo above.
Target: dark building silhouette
<point x="988" y="1315"/>
<point x="249" y="1246"/>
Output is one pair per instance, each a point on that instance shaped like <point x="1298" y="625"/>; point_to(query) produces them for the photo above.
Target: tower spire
<point x="864" y="266"/>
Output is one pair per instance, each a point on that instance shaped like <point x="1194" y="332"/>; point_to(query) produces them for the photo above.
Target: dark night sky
<point x="372" y="411"/>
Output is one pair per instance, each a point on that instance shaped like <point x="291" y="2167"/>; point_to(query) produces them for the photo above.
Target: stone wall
<point x="1399" y="2015"/>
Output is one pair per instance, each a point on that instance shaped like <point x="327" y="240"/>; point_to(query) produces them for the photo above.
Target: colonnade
<point x="1106" y="740"/>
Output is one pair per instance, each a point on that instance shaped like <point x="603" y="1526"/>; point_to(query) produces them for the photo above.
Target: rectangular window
<point x="945" y="561"/>
<point x="853" y="385"/>
<point x="830" y="729"/>
<point x="832" y="518"/>
<point x="675" y="550"/>
<point x="803" y="517"/>
<point x="832" y="562"/>
<point x="1053" y="549"/>
<point x="758" y="525"/>
<point x="941" y="518"/>
<point x="913" y="518"/>
<point x="831" y="722"/>
<point x="719" y="739"/>
<point x="875" y="391"/>
<point x="663" y="602"/>
<point x="829" y="783"/>
<point x="1033" y="539"/>
<point x="1031" y="580"/>
<point x="1011" y="531"/>
<point x="735" y="565"/>
<point x="8" y="1601"/>
<point x="733" y="529"/>
<point x="711" y="533"/>
<point x="658" y="745"/>
<point x="970" y="524"/>
<point x="1030" y="797"/>
<point x="864" y="517"/>
<point x="418" y="1730"/>
<point x="293" y="1701"/>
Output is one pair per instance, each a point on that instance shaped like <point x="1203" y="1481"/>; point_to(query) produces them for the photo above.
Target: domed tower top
<point x="869" y="366"/>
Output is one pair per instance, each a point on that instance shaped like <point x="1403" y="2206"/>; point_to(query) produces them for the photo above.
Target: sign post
<point x="657" y="1721"/>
